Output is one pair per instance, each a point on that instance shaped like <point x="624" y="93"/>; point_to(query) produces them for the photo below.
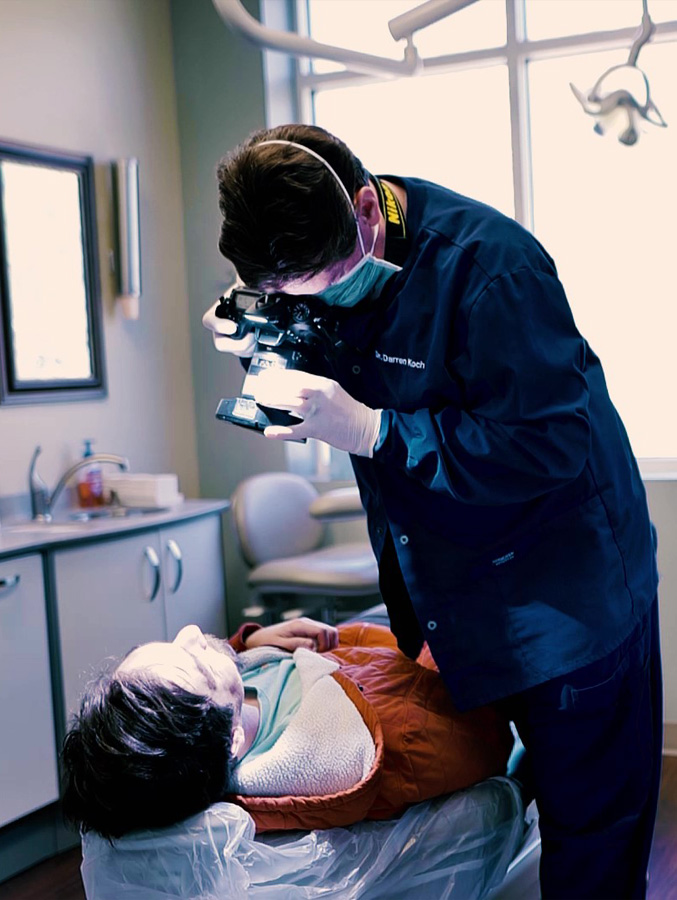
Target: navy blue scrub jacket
<point x="503" y="499"/>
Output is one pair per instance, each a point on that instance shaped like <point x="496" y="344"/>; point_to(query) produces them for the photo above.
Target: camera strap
<point x="397" y="238"/>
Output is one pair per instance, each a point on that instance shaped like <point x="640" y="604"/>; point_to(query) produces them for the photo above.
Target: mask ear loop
<point x="338" y="180"/>
<point x="373" y="243"/>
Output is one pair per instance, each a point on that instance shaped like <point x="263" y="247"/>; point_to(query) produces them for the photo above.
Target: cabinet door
<point x="194" y="586"/>
<point x="28" y="769"/>
<point x="109" y="599"/>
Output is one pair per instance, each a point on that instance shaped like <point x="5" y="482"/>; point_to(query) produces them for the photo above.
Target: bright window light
<point x="558" y="18"/>
<point x="606" y="213"/>
<point x="363" y="26"/>
<point x="603" y="210"/>
<point x="430" y="127"/>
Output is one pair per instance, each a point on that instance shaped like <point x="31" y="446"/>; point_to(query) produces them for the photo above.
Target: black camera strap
<point x="397" y="238"/>
<point x="353" y="329"/>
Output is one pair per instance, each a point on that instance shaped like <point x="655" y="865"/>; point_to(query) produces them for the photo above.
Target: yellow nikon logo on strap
<point x="392" y="212"/>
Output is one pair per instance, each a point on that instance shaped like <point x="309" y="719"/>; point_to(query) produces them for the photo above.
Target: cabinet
<point x="194" y="588"/>
<point x="28" y="768"/>
<point x="115" y="594"/>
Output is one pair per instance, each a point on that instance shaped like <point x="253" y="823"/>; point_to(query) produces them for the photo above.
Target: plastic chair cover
<point x="457" y="846"/>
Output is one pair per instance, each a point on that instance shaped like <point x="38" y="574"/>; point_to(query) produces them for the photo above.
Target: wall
<point x="662" y="496"/>
<point x="220" y="100"/>
<point x="97" y="78"/>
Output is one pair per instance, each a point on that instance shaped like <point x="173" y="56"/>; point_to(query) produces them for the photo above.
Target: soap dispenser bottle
<point x="90" y="485"/>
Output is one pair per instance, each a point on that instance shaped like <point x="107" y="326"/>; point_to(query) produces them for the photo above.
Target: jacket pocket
<point x="564" y="591"/>
<point x="605" y="684"/>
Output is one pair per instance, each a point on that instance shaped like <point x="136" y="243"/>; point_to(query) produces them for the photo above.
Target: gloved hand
<point x="329" y="413"/>
<point x="221" y="328"/>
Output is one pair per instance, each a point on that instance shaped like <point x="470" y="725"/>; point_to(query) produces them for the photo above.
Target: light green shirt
<point x="278" y="690"/>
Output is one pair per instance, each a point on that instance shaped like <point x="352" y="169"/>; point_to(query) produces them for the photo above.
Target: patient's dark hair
<point x="284" y="215"/>
<point x="143" y="754"/>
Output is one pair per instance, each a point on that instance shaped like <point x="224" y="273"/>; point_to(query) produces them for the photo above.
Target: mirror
<point x="51" y="345"/>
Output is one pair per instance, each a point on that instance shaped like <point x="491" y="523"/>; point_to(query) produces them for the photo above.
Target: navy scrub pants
<point x="593" y="741"/>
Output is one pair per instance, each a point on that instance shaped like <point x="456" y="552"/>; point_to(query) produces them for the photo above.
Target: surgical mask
<point x="370" y="274"/>
<point x="367" y="277"/>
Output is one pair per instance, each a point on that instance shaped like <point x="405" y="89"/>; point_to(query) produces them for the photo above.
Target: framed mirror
<point x="51" y="342"/>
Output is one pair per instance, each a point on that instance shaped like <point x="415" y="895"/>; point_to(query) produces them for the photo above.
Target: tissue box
<point x="142" y="489"/>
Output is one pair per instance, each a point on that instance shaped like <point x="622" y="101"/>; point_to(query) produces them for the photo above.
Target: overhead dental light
<point x="401" y="27"/>
<point x="621" y="96"/>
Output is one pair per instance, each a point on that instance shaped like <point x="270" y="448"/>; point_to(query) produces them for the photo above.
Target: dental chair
<point x="457" y="847"/>
<point x="481" y="843"/>
<point x="521" y="878"/>
<point x="280" y="523"/>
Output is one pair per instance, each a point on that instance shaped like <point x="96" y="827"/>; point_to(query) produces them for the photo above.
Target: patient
<point x="304" y="725"/>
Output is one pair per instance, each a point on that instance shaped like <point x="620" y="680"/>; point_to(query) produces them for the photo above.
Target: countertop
<point x="66" y="532"/>
<point x="658" y="469"/>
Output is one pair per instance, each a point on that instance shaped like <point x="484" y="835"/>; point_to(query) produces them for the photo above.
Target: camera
<point x="290" y="333"/>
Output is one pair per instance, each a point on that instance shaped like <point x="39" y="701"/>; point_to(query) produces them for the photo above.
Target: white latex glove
<point x="329" y="413"/>
<point x="221" y="328"/>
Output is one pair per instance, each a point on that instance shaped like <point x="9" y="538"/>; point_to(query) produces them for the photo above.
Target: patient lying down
<point x="304" y="725"/>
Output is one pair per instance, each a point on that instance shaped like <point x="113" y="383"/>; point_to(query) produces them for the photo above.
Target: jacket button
<point x="379" y="530"/>
<point x="404" y="539"/>
<point x="356" y="370"/>
<point x="432" y="625"/>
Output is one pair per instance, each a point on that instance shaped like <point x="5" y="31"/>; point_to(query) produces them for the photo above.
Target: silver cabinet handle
<point x="7" y="583"/>
<point x="175" y="552"/>
<point x="154" y="561"/>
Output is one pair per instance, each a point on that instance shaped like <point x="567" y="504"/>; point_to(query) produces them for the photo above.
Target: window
<point x="493" y="116"/>
<point x="606" y="212"/>
<point x="558" y="18"/>
<point x="388" y="144"/>
<point x="363" y="26"/>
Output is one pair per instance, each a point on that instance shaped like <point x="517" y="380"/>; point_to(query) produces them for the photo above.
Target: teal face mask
<point x="367" y="277"/>
<point x="370" y="274"/>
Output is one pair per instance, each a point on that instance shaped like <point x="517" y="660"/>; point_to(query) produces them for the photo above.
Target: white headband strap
<point x="324" y="163"/>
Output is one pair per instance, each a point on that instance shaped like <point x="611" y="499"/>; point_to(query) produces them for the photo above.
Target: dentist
<point x="504" y="503"/>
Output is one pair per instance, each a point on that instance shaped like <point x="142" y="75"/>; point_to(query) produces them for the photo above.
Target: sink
<point x="80" y="521"/>
<point x="114" y="512"/>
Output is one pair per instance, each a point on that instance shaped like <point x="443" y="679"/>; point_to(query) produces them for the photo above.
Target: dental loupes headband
<point x="333" y="172"/>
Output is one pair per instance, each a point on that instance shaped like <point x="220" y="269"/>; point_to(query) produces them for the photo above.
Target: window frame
<point x="290" y="86"/>
<point x="516" y="53"/>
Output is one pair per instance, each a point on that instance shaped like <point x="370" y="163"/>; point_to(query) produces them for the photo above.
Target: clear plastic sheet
<point x="457" y="847"/>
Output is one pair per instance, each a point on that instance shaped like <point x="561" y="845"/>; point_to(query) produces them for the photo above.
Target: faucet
<point x="42" y="503"/>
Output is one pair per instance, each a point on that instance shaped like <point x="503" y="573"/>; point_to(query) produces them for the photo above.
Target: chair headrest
<point x="271" y="517"/>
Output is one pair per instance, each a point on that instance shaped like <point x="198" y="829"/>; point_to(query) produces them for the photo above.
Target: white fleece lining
<point x="326" y="747"/>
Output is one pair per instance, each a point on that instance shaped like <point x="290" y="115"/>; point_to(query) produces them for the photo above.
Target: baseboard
<point x="670" y="739"/>
<point x="26" y="842"/>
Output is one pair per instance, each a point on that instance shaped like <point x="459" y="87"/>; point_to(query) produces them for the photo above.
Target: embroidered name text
<point x="400" y="360"/>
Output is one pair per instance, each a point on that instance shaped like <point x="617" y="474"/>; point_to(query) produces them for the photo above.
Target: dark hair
<point x="284" y="215"/>
<point x="143" y="754"/>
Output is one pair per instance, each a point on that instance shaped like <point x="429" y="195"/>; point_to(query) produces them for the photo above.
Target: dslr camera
<point x="290" y="332"/>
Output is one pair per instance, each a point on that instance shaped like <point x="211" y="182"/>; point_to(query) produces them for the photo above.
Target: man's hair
<point x="143" y="754"/>
<point x="284" y="215"/>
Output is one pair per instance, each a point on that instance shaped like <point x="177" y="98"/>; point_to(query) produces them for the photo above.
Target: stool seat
<point x="338" y="570"/>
